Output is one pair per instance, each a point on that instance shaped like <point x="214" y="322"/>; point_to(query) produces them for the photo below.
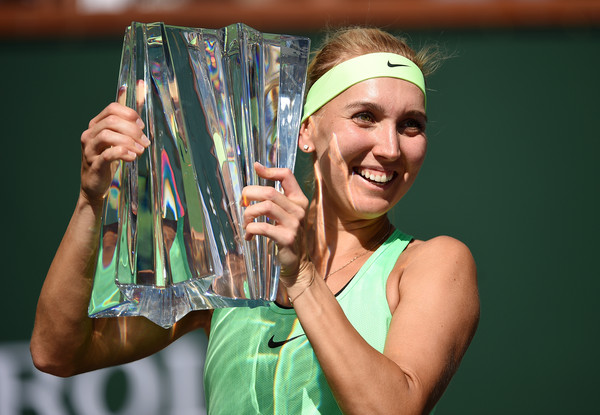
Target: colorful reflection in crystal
<point x="171" y="203"/>
<point x="213" y="102"/>
<point x="114" y="191"/>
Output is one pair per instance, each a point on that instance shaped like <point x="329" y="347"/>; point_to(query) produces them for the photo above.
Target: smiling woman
<point x="368" y="320"/>
<point x="371" y="320"/>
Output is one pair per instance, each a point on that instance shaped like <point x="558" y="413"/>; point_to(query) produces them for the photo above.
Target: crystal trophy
<point x="213" y="102"/>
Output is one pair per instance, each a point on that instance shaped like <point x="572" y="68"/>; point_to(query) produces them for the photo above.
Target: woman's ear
<point x="305" y="138"/>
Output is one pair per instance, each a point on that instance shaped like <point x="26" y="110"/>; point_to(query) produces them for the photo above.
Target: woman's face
<point x="370" y="144"/>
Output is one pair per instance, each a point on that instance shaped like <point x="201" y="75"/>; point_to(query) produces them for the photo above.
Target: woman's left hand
<point x="286" y="212"/>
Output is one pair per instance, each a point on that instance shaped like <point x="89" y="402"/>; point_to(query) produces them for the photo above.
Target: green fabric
<point x="358" y="69"/>
<point x="243" y="375"/>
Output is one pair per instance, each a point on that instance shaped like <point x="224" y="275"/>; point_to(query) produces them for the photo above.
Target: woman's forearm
<point x="62" y="329"/>
<point x="362" y="379"/>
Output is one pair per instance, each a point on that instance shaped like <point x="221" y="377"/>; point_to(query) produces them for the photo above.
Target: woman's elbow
<point x="50" y="363"/>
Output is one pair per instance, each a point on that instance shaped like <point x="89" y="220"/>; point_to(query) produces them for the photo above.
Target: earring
<point x="306" y="147"/>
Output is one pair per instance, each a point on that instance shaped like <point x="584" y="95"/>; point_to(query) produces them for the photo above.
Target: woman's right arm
<point x="65" y="341"/>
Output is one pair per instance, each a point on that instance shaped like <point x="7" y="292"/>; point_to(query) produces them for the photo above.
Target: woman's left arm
<point x="432" y="325"/>
<point x="434" y="320"/>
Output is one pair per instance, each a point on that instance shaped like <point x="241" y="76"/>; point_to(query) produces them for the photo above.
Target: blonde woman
<point x="369" y="320"/>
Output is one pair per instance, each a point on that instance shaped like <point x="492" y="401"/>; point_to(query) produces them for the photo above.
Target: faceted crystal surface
<point x="213" y="102"/>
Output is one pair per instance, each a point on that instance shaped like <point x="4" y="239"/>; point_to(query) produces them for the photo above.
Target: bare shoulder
<point x="442" y="267"/>
<point x="440" y="246"/>
<point x="442" y="257"/>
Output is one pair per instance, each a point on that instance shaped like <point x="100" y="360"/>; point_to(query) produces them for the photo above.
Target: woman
<point x="369" y="320"/>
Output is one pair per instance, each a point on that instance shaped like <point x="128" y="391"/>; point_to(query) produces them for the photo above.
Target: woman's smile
<point x="377" y="177"/>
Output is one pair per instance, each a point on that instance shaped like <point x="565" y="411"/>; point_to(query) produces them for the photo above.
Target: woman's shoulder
<point x="444" y="248"/>
<point x="439" y="261"/>
<point x="436" y="278"/>
<point x="431" y="268"/>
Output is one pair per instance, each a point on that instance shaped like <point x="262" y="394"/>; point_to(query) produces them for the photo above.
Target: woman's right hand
<point x="113" y="135"/>
<point x="65" y="341"/>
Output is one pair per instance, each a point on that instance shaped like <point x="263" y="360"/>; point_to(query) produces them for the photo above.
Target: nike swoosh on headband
<point x="275" y="344"/>
<point x="358" y="69"/>
<point x="394" y="65"/>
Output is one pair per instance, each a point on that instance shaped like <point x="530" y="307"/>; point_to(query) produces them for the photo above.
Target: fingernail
<point x="145" y="140"/>
<point x="139" y="147"/>
<point x="139" y="123"/>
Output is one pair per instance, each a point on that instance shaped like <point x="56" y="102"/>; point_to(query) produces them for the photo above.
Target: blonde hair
<point x="350" y="42"/>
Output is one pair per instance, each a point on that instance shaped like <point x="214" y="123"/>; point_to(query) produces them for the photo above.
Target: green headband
<point x="355" y="70"/>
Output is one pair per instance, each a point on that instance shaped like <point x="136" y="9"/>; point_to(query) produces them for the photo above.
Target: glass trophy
<point x="213" y="102"/>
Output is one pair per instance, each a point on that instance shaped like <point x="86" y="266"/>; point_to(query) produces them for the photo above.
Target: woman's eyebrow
<point x="417" y="114"/>
<point x="365" y="105"/>
<point x="375" y="107"/>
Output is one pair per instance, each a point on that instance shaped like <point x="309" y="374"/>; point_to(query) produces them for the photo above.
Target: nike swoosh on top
<point x="393" y="65"/>
<point x="275" y="344"/>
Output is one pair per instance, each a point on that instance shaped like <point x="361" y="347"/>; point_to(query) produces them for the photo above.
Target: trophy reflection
<point x="213" y="102"/>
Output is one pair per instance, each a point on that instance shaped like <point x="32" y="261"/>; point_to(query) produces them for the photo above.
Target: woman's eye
<point x="364" y="117"/>
<point x="413" y="126"/>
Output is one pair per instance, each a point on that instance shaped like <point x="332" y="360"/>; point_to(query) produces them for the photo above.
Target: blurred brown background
<point x="108" y="17"/>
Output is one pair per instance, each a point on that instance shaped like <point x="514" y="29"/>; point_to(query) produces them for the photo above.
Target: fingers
<point x="282" y="226"/>
<point x="286" y="211"/>
<point x="293" y="205"/>
<point x="285" y="227"/>
<point x="118" y="110"/>
<point x="115" y="126"/>
<point x="96" y="142"/>
<point x="272" y="203"/>
<point x="288" y="181"/>
<point x="119" y="119"/>
<point x="284" y="216"/>
<point x="283" y="235"/>
<point x="114" y="134"/>
<point x="140" y="94"/>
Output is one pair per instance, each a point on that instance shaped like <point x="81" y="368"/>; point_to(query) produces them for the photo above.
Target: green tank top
<point x="259" y="360"/>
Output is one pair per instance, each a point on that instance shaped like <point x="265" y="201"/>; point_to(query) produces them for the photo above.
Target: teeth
<point x="376" y="176"/>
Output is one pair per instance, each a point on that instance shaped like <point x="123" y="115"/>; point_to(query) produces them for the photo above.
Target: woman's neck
<point x="333" y="241"/>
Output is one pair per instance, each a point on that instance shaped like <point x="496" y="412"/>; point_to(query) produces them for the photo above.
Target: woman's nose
<point x="387" y="143"/>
